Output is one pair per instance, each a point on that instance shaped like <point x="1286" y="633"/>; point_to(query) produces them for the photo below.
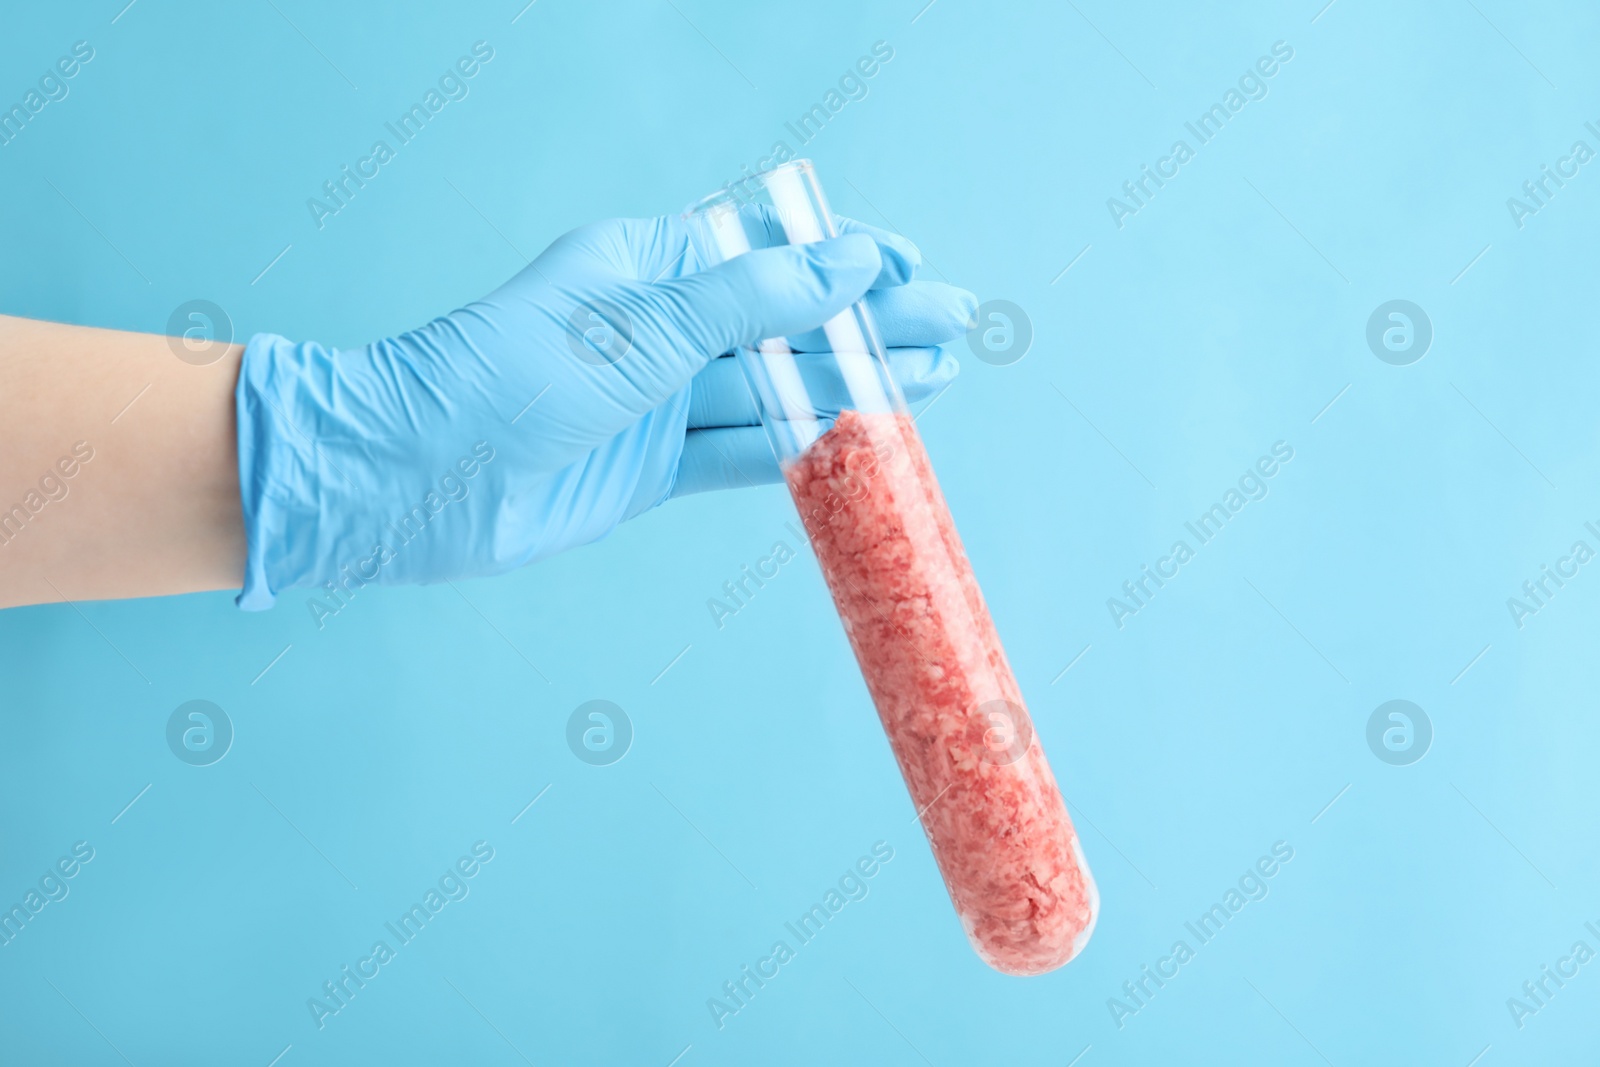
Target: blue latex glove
<point x="495" y="436"/>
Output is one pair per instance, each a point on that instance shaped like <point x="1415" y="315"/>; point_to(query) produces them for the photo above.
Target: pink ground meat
<point x="933" y="663"/>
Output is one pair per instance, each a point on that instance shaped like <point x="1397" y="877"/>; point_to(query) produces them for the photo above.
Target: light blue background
<point x="1224" y="717"/>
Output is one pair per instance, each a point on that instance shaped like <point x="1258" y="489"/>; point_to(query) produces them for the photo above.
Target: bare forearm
<point x="118" y="471"/>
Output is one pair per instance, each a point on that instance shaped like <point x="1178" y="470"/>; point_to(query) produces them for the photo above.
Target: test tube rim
<point x="713" y="200"/>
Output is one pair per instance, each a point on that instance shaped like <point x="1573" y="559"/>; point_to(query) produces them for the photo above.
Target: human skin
<point x="156" y="510"/>
<point x="121" y="474"/>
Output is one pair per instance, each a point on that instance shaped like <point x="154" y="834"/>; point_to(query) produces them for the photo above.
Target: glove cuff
<point x="277" y="465"/>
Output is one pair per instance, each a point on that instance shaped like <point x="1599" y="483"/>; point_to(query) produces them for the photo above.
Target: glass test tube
<point x="906" y="594"/>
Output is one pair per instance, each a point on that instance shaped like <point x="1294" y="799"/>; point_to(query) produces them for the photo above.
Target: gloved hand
<point x="584" y="391"/>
